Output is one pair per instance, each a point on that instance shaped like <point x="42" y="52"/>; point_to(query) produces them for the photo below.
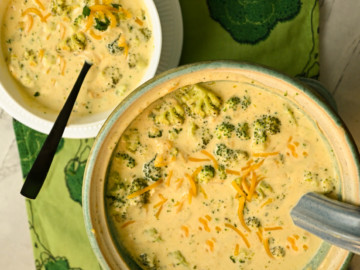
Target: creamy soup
<point x="47" y="42"/>
<point x="206" y="176"/>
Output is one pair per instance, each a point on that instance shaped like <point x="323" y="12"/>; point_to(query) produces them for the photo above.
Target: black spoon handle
<point x="37" y="175"/>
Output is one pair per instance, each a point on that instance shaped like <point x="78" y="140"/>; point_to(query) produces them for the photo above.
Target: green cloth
<point x="282" y="34"/>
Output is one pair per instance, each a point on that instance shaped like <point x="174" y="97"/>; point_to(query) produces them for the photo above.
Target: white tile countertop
<point x="340" y="73"/>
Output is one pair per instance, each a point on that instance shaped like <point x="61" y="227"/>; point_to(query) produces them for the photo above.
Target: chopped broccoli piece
<point x="117" y="193"/>
<point x="132" y="139"/>
<point x="253" y="222"/>
<point x="154" y="235"/>
<point x="138" y="184"/>
<point x="30" y="56"/>
<point x="327" y="185"/>
<point x="222" y="172"/>
<point x="226" y="154"/>
<point x="179" y="258"/>
<point x="114" y="48"/>
<point x="199" y="101"/>
<point x="206" y="174"/>
<point x="102" y="25"/>
<point x="224" y="129"/>
<point x="245" y="102"/>
<point x="278" y="251"/>
<point x="77" y="42"/>
<point x="264" y="188"/>
<point x="86" y="11"/>
<point x="147" y="261"/>
<point x="59" y="7"/>
<point x="242" y="131"/>
<point x="232" y="103"/>
<point x="170" y="114"/>
<point x="146" y="33"/>
<point x="154" y="132"/>
<point x="151" y="172"/>
<point x="113" y="75"/>
<point x="264" y="125"/>
<point x="206" y="137"/>
<point x="130" y="162"/>
<point x="291" y="114"/>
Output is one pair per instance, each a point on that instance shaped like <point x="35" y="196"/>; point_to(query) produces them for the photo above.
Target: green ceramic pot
<point x="313" y="99"/>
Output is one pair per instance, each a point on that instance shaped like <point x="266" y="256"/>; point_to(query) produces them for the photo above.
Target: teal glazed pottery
<point x="317" y="104"/>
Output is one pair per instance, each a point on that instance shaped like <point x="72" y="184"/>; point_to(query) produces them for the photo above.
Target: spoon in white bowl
<point x="336" y="222"/>
<point x="37" y="175"/>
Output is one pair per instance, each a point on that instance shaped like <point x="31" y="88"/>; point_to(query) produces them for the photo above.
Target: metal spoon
<point x="336" y="222"/>
<point x="37" y="175"/>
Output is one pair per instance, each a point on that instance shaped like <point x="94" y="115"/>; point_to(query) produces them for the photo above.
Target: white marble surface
<point x="340" y="73"/>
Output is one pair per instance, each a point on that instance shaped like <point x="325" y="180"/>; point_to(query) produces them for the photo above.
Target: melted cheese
<point x="47" y="42"/>
<point x="241" y="222"/>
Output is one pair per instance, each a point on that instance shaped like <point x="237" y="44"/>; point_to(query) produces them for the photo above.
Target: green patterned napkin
<point x="282" y="34"/>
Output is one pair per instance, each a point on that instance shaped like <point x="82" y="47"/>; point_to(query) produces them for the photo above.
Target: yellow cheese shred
<point x="241" y="214"/>
<point x="167" y="182"/>
<point x="266" y="229"/>
<point x="228" y="225"/>
<point x="238" y="189"/>
<point x="142" y="191"/>
<point x="213" y="159"/>
<point x="127" y="223"/>
<point x="193" y="190"/>
<point x="192" y="159"/>
<point x="265" y="154"/>
<point x="204" y="222"/>
<point x="267" y="249"/>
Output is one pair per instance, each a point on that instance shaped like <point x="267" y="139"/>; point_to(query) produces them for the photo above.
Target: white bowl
<point x="39" y="118"/>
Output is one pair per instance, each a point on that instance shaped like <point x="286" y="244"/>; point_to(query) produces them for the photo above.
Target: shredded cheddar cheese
<point x="213" y="159"/>
<point x="243" y="237"/>
<point x="142" y="191"/>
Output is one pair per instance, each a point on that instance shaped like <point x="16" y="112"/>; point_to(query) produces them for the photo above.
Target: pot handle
<point x="336" y="222"/>
<point x="320" y="91"/>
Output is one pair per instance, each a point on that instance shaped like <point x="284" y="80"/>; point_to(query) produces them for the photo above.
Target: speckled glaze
<point x="110" y="255"/>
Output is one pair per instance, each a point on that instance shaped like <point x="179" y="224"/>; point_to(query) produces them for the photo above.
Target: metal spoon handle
<point x="37" y="175"/>
<point x="336" y="222"/>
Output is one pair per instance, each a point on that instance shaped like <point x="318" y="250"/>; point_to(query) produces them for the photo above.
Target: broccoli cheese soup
<point x="45" y="44"/>
<point x="206" y="176"/>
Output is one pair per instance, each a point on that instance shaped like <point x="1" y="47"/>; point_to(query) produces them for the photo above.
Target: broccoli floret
<point x="224" y="129"/>
<point x="169" y="114"/>
<point x="264" y="125"/>
<point x="77" y="42"/>
<point x="151" y="172"/>
<point x="242" y="131"/>
<point x="147" y="261"/>
<point x="132" y="139"/>
<point x="253" y="222"/>
<point x="222" y="172"/>
<point x="206" y="137"/>
<point x="245" y="102"/>
<point x="226" y="154"/>
<point x="113" y="75"/>
<point x="174" y="133"/>
<point x="116" y="195"/>
<point x="102" y="25"/>
<point x="130" y="162"/>
<point x="138" y="184"/>
<point x="179" y="258"/>
<point x="153" y="235"/>
<point x="264" y="188"/>
<point x="327" y="185"/>
<point x="206" y="174"/>
<point x="199" y="101"/>
<point x="59" y="7"/>
<point x="146" y="33"/>
<point x="114" y="48"/>
<point x="232" y="103"/>
<point x="278" y="251"/>
<point x="254" y="20"/>
<point x="154" y="132"/>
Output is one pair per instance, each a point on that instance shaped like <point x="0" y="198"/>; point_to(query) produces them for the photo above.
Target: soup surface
<point x="46" y="43"/>
<point x="206" y="176"/>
